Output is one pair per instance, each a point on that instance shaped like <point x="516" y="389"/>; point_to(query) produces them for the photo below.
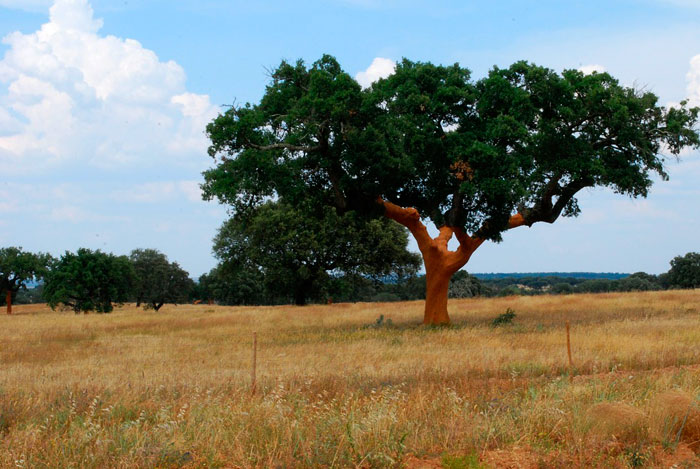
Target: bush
<point x="505" y="318"/>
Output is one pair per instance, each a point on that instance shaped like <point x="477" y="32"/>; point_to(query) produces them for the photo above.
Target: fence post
<point x="568" y="350"/>
<point x="255" y="359"/>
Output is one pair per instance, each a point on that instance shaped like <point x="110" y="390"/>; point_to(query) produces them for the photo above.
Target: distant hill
<point x="581" y="275"/>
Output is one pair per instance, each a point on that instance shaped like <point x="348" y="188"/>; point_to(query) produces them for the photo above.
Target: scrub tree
<point x="477" y="158"/>
<point x="17" y="267"/>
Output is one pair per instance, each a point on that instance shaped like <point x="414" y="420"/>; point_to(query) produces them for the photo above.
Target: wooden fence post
<point x="255" y="359"/>
<point x="568" y="350"/>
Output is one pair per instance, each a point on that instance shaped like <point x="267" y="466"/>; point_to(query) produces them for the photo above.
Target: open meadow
<point x="337" y="387"/>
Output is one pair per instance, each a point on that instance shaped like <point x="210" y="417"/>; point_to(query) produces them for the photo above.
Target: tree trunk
<point x="300" y="295"/>
<point x="8" y="300"/>
<point x="437" y="283"/>
<point x="302" y="289"/>
<point x="440" y="262"/>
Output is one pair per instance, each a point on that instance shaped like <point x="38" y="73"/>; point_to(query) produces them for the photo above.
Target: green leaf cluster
<point x="294" y="251"/>
<point x="685" y="271"/>
<point x="18" y="267"/>
<point x="89" y="281"/>
<point x="158" y="281"/>
<point x="466" y="153"/>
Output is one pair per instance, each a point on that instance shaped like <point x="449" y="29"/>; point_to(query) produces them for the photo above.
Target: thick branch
<point x="467" y="246"/>
<point x="410" y="218"/>
<point x="516" y="220"/>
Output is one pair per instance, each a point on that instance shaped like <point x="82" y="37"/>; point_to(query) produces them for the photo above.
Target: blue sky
<point x="103" y="105"/>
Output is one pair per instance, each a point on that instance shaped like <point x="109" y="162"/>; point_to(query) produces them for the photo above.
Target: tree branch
<point x="516" y="220"/>
<point x="467" y="246"/>
<point x="410" y="218"/>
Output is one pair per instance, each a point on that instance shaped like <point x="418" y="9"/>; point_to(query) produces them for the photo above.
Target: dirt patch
<point x="514" y="458"/>
<point x="412" y="462"/>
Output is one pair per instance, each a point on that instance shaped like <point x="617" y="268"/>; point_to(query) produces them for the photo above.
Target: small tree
<point x="685" y="271"/>
<point x="89" y="281"/>
<point x="17" y="267"/>
<point x="158" y="281"/>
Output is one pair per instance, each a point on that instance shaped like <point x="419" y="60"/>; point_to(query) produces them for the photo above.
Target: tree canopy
<point x="16" y="268"/>
<point x="685" y="271"/>
<point x="295" y="250"/>
<point x="89" y="281"/>
<point x="158" y="281"/>
<point x="476" y="157"/>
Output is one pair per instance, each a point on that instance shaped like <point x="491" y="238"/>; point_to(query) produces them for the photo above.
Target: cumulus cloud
<point x="379" y="68"/>
<point x="75" y="97"/>
<point x="693" y="77"/>
<point x="589" y="69"/>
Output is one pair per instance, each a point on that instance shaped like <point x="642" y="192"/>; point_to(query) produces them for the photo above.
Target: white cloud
<point x="379" y="68"/>
<point x="589" y="69"/>
<point x="693" y="77"/>
<point x="74" y="97"/>
<point x="75" y="214"/>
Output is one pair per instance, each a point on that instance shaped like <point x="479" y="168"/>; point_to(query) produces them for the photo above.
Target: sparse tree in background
<point x="89" y="281"/>
<point x="463" y="285"/>
<point x="685" y="271"/>
<point x="475" y="157"/>
<point x="158" y="281"/>
<point x="17" y="267"/>
<point x="295" y="251"/>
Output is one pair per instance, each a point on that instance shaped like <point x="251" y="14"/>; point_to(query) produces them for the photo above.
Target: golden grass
<point x="171" y="389"/>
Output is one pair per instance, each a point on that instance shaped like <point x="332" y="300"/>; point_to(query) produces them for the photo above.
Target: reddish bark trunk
<point x="437" y="284"/>
<point x="8" y="300"/>
<point x="440" y="263"/>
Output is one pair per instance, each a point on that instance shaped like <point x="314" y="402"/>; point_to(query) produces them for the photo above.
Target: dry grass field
<point x="172" y="389"/>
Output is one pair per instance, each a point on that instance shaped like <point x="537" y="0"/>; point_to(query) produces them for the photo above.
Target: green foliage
<point x="17" y="267"/>
<point x="463" y="285"/>
<point x="158" y="281"/>
<point x="231" y="283"/>
<point x="685" y="271"/>
<point x="503" y="319"/>
<point x="465" y="153"/>
<point x="562" y="288"/>
<point x="89" y="281"/>
<point x="295" y="251"/>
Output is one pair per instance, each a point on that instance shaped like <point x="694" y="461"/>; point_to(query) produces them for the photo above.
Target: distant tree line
<point x="225" y="288"/>
<point x="95" y="281"/>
